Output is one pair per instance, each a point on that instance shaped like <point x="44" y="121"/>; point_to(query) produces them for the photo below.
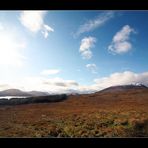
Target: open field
<point x="118" y="114"/>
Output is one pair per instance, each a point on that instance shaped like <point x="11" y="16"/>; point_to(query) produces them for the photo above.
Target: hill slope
<point x="123" y="88"/>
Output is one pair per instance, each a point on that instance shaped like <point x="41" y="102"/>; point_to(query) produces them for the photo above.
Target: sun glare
<point x="10" y="50"/>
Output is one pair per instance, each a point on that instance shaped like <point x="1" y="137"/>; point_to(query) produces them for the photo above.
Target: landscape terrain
<point x="73" y="74"/>
<point x="120" y="111"/>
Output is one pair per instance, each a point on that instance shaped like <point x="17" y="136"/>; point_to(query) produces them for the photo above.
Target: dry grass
<point x="123" y="114"/>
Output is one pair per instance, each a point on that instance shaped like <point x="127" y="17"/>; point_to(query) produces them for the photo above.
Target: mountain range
<point x="17" y="92"/>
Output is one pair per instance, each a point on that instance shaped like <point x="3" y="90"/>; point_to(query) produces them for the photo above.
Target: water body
<point x="9" y="97"/>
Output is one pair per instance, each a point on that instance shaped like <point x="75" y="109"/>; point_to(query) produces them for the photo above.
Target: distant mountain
<point x="14" y="92"/>
<point x="124" y="87"/>
<point x="38" y="93"/>
<point x="17" y="92"/>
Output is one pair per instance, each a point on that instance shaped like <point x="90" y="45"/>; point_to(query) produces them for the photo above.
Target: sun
<point x="10" y="49"/>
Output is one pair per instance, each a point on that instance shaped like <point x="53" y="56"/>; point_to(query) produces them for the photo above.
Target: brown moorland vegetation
<point x="102" y="114"/>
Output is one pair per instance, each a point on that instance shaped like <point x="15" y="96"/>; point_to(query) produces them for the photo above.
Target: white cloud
<point x="120" y="43"/>
<point x="50" y="71"/>
<point x="92" y="68"/>
<point x="34" y="21"/>
<point x="86" y="44"/>
<point x="95" y="23"/>
<point x="123" y="78"/>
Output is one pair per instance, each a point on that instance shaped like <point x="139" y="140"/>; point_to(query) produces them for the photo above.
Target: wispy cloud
<point x="34" y="21"/>
<point x="92" y="68"/>
<point x="97" y="22"/>
<point x="85" y="48"/>
<point x="120" y="43"/>
<point x="50" y="72"/>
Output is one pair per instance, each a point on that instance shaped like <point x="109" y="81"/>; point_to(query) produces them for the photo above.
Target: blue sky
<point x="64" y="51"/>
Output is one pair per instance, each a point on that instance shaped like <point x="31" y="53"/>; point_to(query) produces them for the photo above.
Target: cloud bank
<point x="58" y="85"/>
<point x="123" y="78"/>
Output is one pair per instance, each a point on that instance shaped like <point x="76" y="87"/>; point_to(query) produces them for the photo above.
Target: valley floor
<point x="123" y="114"/>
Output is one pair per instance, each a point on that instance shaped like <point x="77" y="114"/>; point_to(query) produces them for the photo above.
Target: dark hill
<point x="30" y="100"/>
<point x="123" y="88"/>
